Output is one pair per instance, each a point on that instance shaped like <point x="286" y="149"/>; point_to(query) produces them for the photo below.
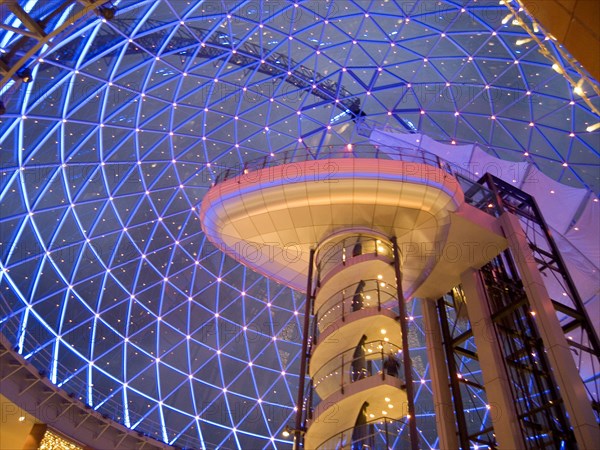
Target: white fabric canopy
<point x="572" y="214"/>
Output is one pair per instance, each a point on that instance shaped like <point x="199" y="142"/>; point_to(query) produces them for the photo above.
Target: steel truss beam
<point x="540" y="407"/>
<point x="212" y="45"/>
<point x="38" y="30"/>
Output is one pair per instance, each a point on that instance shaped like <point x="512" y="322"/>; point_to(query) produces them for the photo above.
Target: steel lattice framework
<point x="106" y="281"/>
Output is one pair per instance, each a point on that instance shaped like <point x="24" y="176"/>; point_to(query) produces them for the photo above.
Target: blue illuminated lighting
<point x="108" y="283"/>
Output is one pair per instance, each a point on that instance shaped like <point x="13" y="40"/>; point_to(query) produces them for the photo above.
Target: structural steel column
<point x="299" y="427"/>
<point x="497" y="385"/>
<point x="408" y="379"/>
<point x="440" y="384"/>
<point x="572" y="389"/>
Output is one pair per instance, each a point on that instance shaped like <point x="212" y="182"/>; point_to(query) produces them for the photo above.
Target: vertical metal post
<point x="387" y="438"/>
<point x="412" y="421"/>
<point x="494" y="367"/>
<point x="463" y="435"/>
<point x="382" y="363"/>
<point x="298" y="431"/>
<point x="438" y="371"/>
<point x="342" y="374"/>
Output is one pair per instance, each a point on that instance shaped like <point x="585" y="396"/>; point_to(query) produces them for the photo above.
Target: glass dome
<point x="108" y="283"/>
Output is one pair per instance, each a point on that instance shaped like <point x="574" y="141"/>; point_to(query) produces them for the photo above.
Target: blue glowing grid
<point x="107" y="281"/>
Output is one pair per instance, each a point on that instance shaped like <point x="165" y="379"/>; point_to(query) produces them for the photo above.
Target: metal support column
<point x="495" y="375"/>
<point x="412" y="419"/>
<point x="440" y="382"/>
<point x="299" y="427"/>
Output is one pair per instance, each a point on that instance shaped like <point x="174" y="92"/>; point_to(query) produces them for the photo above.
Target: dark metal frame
<point x="550" y="262"/>
<point x="538" y="402"/>
<point x="403" y="320"/>
<point x="212" y="44"/>
<point x="302" y="409"/>
<point x="37" y="26"/>
<point x="539" y="406"/>
<point x="455" y="340"/>
<point x="462" y="431"/>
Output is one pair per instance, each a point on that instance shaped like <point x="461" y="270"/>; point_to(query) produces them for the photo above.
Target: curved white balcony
<point x="336" y="417"/>
<point x="351" y="366"/>
<point x="363" y="294"/>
